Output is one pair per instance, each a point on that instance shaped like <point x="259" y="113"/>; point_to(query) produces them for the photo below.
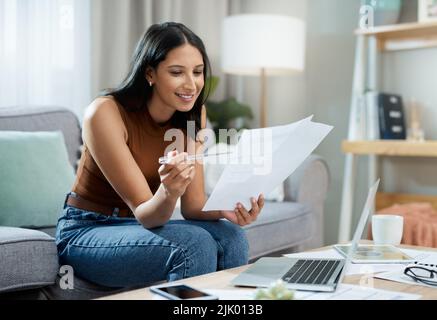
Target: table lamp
<point x="263" y="45"/>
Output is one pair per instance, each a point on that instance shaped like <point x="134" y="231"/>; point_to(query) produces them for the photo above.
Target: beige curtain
<point x="118" y="25"/>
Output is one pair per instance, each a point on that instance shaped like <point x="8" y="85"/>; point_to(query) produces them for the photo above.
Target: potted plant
<point x="228" y="113"/>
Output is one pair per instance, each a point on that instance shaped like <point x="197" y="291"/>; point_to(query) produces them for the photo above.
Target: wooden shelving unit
<point x="370" y="43"/>
<point x="406" y="36"/>
<point x="391" y="148"/>
<point x="385" y="200"/>
<point x="394" y="148"/>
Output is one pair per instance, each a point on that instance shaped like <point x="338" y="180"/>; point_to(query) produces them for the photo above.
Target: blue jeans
<point x="120" y="252"/>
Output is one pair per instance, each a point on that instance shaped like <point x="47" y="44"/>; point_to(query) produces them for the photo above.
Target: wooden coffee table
<point x="222" y="279"/>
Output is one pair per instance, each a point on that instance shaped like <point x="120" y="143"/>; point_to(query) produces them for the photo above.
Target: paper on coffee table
<point x="343" y="292"/>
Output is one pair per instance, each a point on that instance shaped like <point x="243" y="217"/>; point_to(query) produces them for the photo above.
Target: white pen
<point x="192" y="157"/>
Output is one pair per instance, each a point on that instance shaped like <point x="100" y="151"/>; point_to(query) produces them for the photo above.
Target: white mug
<point x="387" y="229"/>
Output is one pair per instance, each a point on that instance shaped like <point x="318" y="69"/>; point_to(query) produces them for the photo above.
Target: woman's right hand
<point x="176" y="174"/>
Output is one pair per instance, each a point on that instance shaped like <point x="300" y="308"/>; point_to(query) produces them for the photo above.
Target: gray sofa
<point x="28" y="258"/>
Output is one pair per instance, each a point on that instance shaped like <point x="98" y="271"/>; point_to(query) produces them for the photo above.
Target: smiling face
<point x="177" y="81"/>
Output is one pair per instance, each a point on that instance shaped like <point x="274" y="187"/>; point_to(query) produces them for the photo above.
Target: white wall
<point x="330" y="60"/>
<point x="207" y="26"/>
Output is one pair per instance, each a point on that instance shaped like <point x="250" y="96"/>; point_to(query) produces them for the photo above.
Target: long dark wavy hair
<point x="134" y="92"/>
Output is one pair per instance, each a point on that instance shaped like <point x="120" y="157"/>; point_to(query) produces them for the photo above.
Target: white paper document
<point x="399" y="276"/>
<point x="422" y="257"/>
<point x="262" y="160"/>
<point x="354" y="292"/>
<point x="343" y="292"/>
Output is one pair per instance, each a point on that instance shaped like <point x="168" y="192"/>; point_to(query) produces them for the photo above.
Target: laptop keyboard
<point x="307" y="271"/>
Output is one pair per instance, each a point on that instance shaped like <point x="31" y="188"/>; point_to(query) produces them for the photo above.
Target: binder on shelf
<point x="391" y="117"/>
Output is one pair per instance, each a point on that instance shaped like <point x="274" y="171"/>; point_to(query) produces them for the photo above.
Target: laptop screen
<point x="368" y="207"/>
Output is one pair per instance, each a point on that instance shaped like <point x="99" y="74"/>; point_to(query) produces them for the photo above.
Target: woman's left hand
<point x="243" y="217"/>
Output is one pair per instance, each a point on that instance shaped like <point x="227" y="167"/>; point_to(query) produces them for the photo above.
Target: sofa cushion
<point x="280" y="225"/>
<point x="35" y="175"/>
<point x="29" y="259"/>
<point x="43" y="118"/>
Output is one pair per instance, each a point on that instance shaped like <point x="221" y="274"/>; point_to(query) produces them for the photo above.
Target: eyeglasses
<point x="422" y="274"/>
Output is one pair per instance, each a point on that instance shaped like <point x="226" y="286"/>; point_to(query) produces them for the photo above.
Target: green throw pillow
<point x="35" y="176"/>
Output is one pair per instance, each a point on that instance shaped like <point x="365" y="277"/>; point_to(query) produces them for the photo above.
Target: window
<point x="45" y="53"/>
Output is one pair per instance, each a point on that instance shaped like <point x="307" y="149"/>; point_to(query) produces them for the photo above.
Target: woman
<point x="115" y="228"/>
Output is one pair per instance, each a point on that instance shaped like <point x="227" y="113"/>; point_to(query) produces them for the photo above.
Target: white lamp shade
<point x="252" y="42"/>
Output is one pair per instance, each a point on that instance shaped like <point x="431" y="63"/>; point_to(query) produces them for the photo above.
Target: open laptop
<point x="304" y="273"/>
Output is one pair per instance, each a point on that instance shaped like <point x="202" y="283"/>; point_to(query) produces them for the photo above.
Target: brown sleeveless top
<point x="146" y="143"/>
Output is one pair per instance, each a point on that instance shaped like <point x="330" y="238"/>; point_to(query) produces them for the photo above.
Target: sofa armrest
<point x="309" y="185"/>
<point x="309" y="182"/>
